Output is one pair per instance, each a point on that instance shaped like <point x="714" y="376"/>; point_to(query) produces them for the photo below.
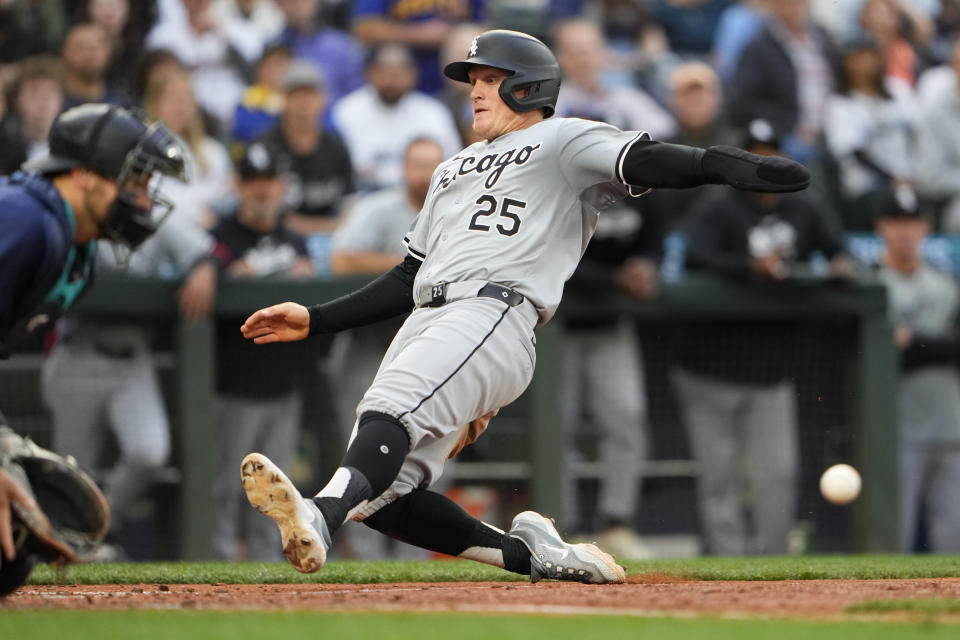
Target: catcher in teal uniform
<point x="100" y="179"/>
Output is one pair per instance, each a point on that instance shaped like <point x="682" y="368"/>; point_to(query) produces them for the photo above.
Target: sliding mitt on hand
<point x="752" y="172"/>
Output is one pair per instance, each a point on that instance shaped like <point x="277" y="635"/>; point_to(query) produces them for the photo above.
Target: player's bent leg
<point x="305" y="535"/>
<point x="370" y="465"/>
<point x="551" y="557"/>
<point x="531" y="547"/>
<point x="432" y="521"/>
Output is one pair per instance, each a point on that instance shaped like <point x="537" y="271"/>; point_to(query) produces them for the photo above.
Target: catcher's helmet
<point x="99" y="137"/>
<point x="116" y="144"/>
<point x="530" y="63"/>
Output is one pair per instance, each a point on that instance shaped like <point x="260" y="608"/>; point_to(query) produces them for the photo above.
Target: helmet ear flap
<point x="540" y="95"/>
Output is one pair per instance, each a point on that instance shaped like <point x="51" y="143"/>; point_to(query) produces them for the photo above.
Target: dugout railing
<point x="868" y="360"/>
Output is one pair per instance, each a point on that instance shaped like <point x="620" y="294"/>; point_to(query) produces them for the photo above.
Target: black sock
<point x="334" y="509"/>
<point x="516" y="556"/>
<point x="369" y="467"/>
<point x="432" y="521"/>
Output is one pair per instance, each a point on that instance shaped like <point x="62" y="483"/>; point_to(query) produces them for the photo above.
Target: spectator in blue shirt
<point x="423" y="25"/>
<point x="333" y="52"/>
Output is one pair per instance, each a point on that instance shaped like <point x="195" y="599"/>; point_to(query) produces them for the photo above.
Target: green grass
<point x="858" y="567"/>
<point x="206" y="625"/>
<point x="211" y="625"/>
<point x="925" y="606"/>
<point x="766" y="568"/>
<point x="344" y="572"/>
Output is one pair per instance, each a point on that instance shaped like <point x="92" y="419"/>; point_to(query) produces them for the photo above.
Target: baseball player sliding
<point x="504" y="225"/>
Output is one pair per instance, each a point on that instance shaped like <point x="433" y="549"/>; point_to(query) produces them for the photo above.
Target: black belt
<point x="116" y="352"/>
<point x="438" y="294"/>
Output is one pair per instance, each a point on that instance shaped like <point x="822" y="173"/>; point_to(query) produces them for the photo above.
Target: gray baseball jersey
<point x="520" y="210"/>
<point x="376" y="223"/>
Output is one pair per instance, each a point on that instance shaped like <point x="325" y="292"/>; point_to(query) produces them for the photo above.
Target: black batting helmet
<point x="531" y="65"/>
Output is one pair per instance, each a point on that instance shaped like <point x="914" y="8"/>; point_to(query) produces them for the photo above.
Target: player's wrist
<point x="315" y="325"/>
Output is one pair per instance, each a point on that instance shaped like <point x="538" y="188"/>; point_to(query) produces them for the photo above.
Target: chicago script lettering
<point x="495" y="163"/>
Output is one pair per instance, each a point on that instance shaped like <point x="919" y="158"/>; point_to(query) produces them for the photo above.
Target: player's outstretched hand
<point x="752" y="172"/>
<point x="284" y="322"/>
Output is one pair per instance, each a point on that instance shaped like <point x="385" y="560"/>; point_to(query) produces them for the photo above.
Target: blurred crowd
<point x="314" y="127"/>
<point x="863" y="91"/>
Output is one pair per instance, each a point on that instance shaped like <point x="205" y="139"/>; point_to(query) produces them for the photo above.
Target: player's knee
<point x="376" y="417"/>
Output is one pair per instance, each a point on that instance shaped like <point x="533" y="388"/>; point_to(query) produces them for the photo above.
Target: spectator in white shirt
<point x="218" y="51"/>
<point x="869" y="130"/>
<point x="169" y="98"/>
<point x="583" y="57"/>
<point x="380" y="119"/>
<point x="938" y="151"/>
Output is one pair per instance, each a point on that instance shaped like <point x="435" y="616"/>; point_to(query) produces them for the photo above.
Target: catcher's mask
<point x="130" y="220"/>
<point x="116" y="144"/>
<point x="531" y="65"/>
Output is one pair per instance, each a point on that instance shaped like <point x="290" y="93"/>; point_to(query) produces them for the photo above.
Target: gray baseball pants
<point x="929" y="479"/>
<point x="355" y="357"/>
<point x="446" y="367"/>
<point x="242" y="425"/>
<point x="603" y="374"/>
<point x="87" y="391"/>
<point x="745" y="442"/>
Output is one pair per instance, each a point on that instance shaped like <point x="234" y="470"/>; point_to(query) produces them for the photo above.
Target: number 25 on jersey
<point x="506" y="212"/>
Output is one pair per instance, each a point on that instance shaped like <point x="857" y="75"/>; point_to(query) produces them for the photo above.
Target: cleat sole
<point x="271" y="493"/>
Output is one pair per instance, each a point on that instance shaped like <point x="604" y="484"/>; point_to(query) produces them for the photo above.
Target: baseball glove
<point x="70" y="517"/>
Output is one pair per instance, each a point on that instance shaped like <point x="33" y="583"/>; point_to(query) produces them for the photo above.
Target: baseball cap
<point x="259" y="161"/>
<point x="302" y="75"/>
<point x="899" y="203"/>
<point x="760" y="131"/>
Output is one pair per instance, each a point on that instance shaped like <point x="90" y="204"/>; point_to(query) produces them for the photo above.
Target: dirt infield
<point x="645" y="595"/>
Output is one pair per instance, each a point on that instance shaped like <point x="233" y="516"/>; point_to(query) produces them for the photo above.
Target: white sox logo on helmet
<point x="473" y="48"/>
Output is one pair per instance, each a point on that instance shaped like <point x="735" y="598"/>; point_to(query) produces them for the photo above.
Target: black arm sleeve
<point x="653" y="164"/>
<point x="389" y="295"/>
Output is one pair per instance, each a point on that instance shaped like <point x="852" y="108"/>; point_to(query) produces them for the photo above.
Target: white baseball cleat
<point x="551" y="557"/>
<point x="303" y="530"/>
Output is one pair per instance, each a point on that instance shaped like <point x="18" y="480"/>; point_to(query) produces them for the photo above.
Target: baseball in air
<point x="840" y="484"/>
